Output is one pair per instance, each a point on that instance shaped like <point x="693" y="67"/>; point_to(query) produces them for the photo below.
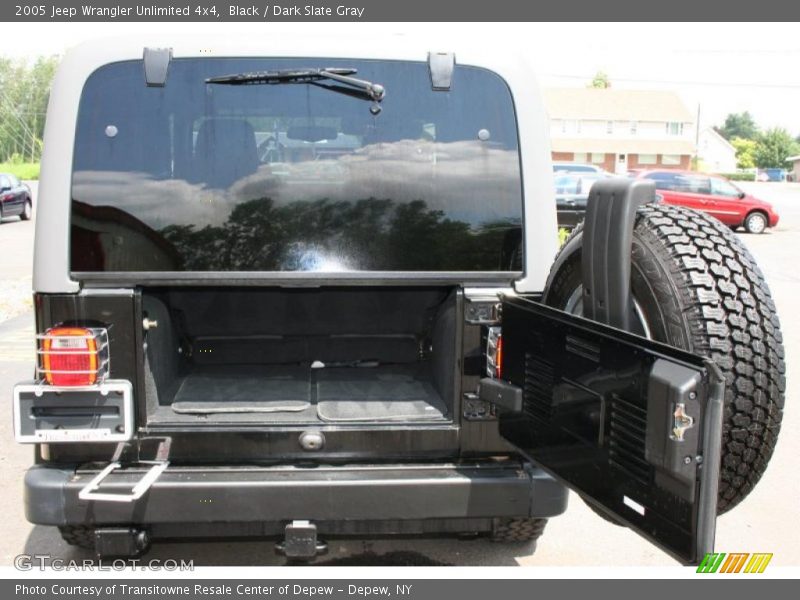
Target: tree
<point x="739" y="125"/>
<point x="745" y="152"/>
<point x="24" y="93"/>
<point x="600" y="81"/>
<point x="774" y="147"/>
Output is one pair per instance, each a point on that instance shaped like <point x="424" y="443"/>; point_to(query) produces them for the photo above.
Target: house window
<point x="572" y="126"/>
<point x="648" y="159"/>
<point x="580" y="157"/>
<point x="598" y="158"/>
<point x="671" y="159"/>
<point x="609" y="126"/>
<point x="674" y="128"/>
<point x="567" y="125"/>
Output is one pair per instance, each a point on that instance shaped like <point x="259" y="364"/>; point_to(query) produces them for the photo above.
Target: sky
<point x="717" y="68"/>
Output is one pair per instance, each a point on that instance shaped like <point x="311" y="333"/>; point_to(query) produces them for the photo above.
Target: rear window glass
<point x="693" y="184"/>
<point x="663" y="181"/>
<point x="195" y="176"/>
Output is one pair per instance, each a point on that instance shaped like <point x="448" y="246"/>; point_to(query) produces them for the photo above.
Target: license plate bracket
<point x="46" y="414"/>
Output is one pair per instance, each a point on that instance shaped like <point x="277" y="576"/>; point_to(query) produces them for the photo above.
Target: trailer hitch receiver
<point x="300" y="541"/>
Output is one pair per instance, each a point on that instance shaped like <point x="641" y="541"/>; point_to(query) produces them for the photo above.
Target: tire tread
<point x="81" y="536"/>
<point x="731" y="319"/>
<point x="515" y="530"/>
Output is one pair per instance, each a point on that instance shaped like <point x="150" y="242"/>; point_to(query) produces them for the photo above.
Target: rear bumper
<point x="205" y="495"/>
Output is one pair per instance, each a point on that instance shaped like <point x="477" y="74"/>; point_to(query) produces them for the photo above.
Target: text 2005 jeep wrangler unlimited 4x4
<point x="300" y="289"/>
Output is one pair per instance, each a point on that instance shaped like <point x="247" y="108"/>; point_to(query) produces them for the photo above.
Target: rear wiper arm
<point x="359" y="88"/>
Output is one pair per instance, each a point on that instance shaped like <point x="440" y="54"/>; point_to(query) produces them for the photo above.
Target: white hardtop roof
<point x="504" y="57"/>
<point x="495" y="56"/>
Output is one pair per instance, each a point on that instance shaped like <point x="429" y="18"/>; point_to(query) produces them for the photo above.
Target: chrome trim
<point x="487" y="294"/>
<point x="100" y="337"/>
<point x="89" y="491"/>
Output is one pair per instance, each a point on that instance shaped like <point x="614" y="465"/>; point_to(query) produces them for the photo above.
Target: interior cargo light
<point x="73" y="356"/>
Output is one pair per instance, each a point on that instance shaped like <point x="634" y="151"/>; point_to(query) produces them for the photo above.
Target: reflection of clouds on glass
<point x="470" y="181"/>
<point x="156" y="202"/>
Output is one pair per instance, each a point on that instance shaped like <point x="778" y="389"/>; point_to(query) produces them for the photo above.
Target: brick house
<point x="620" y="129"/>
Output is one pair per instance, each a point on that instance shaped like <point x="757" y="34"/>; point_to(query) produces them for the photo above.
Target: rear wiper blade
<point x="359" y="88"/>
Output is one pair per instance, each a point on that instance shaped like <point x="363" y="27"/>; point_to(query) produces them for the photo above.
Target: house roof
<point x="616" y="105"/>
<point x="622" y="146"/>
<point x="711" y="132"/>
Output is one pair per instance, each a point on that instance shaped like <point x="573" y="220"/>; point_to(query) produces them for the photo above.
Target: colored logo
<point x="734" y="562"/>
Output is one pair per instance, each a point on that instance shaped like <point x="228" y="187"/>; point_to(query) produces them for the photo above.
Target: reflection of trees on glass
<point x="325" y="235"/>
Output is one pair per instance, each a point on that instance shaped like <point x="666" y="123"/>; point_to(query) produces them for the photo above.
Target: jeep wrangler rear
<point x="295" y="291"/>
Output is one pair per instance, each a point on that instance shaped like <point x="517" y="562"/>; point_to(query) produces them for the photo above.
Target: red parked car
<point x="715" y="195"/>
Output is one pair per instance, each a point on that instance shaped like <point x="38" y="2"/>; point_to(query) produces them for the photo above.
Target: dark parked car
<point x="714" y="195"/>
<point x="574" y="167"/>
<point x="572" y="191"/>
<point x="15" y="198"/>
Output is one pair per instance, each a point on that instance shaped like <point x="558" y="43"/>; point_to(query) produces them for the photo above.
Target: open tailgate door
<point x="631" y="425"/>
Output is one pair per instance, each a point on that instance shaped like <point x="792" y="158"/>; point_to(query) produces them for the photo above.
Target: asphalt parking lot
<point x="764" y="522"/>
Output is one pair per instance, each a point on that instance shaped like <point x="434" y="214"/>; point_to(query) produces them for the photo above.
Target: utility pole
<point x="697" y="139"/>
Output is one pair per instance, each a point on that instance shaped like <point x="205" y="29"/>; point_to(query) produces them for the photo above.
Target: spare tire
<point x="695" y="286"/>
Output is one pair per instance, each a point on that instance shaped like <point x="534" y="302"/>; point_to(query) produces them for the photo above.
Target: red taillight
<point x="498" y="366"/>
<point x="73" y="356"/>
<point x="494" y="352"/>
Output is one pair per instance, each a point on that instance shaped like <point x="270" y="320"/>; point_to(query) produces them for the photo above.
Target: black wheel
<point x="510" y="530"/>
<point x="27" y="211"/>
<point x="78" y="535"/>
<point x="697" y="287"/>
<point x="755" y="222"/>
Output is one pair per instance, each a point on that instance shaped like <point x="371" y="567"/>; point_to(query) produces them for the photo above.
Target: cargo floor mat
<point x="385" y="393"/>
<point x="238" y="393"/>
<point x="210" y="408"/>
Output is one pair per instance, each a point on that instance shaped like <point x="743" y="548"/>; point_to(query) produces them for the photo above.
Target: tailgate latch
<point x="680" y="422"/>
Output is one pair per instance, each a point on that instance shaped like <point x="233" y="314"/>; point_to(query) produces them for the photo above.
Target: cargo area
<point x="337" y="356"/>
